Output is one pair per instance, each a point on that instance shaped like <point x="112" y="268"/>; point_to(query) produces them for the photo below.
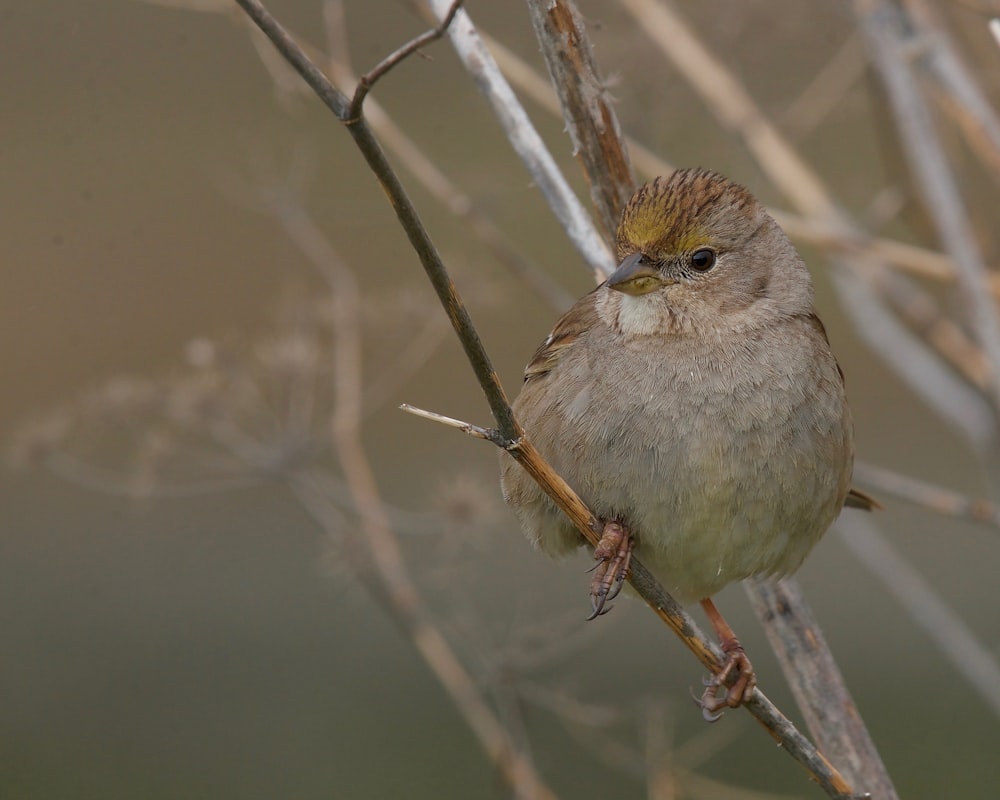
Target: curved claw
<point x="707" y="713"/>
<point x="617" y="586"/>
<point x="613" y="554"/>
<point x="598" y="605"/>
<point x="740" y="690"/>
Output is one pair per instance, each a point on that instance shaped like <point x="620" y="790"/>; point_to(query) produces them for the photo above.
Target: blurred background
<point x="186" y="600"/>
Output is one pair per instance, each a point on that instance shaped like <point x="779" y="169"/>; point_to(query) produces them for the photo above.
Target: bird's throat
<point x="644" y="315"/>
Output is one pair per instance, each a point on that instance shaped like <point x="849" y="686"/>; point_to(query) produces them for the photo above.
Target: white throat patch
<point x="642" y="315"/>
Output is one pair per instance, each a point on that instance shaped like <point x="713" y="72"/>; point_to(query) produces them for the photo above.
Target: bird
<point x="694" y="404"/>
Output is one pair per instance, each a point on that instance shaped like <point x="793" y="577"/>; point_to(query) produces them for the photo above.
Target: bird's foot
<point x="613" y="554"/>
<point x="719" y="694"/>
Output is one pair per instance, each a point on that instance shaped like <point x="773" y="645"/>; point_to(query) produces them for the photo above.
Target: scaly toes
<point x="740" y="691"/>
<point x="613" y="554"/>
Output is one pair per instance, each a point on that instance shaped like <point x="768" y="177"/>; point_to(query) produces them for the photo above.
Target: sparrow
<point x="694" y="404"/>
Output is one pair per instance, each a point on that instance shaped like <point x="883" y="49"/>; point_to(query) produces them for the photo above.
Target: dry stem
<point x="526" y="141"/>
<point x="890" y="36"/>
<point x="592" y="123"/>
<point x="515" y="442"/>
<point x="953" y="637"/>
<point x="928" y="495"/>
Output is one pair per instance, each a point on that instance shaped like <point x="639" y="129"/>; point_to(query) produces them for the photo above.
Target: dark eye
<point x="703" y="260"/>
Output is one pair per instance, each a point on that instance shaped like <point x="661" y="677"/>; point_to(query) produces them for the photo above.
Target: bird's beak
<point x="635" y="277"/>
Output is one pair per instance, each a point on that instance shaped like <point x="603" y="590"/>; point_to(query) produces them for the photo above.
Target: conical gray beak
<point x="635" y="276"/>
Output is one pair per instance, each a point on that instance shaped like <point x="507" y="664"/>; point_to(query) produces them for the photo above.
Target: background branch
<point x="393" y="581"/>
<point x="890" y="38"/>
<point x="591" y="121"/>
<point x="522" y="134"/>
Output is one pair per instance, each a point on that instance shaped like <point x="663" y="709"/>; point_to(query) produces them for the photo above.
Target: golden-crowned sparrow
<point x="693" y="403"/>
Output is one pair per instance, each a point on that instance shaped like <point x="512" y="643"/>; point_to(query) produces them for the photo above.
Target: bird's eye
<point x="703" y="260"/>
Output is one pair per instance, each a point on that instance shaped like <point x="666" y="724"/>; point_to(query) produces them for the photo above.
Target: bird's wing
<point x="581" y="318"/>
<point x="855" y="497"/>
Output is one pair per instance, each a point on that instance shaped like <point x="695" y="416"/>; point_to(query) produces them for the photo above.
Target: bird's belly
<point x="720" y="494"/>
<point x="722" y="468"/>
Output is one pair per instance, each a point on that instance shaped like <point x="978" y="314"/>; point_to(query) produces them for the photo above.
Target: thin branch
<point x="407" y="215"/>
<point x="590" y="116"/>
<point x="783" y="731"/>
<point x="370" y="78"/>
<point x="924" y="606"/>
<point x="890" y="38"/>
<point x="443" y="189"/>
<point x="928" y="495"/>
<point x="820" y="691"/>
<point x="451" y="422"/>
<point x="573" y="218"/>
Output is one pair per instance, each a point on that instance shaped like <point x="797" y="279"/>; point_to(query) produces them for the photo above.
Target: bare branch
<point x="928" y="495"/>
<point x="407" y="215"/>
<point x="783" y="731"/>
<point x="924" y="606"/>
<point x="432" y="178"/>
<point x="370" y="78"/>
<point x="451" y="422"/>
<point x="820" y="691"/>
<point x="590" y="117"/>
<point x="890" y="38"/>
<point x="527" y="143"/>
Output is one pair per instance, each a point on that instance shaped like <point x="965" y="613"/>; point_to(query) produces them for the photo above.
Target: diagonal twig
<point x="508" y="430"/>
<point x="573" y="218"/>
<point x="953" y="637"/>
<point x="890" y="37"/>
<point x="431" y="177"/>
<point x="590" y="118"/>
<point x="928" y="495"/>
<point x="493" y="737"/>
<point x="370" y="78"/>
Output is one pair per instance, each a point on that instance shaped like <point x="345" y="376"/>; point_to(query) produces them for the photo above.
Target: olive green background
<point x="213" y="646"/>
